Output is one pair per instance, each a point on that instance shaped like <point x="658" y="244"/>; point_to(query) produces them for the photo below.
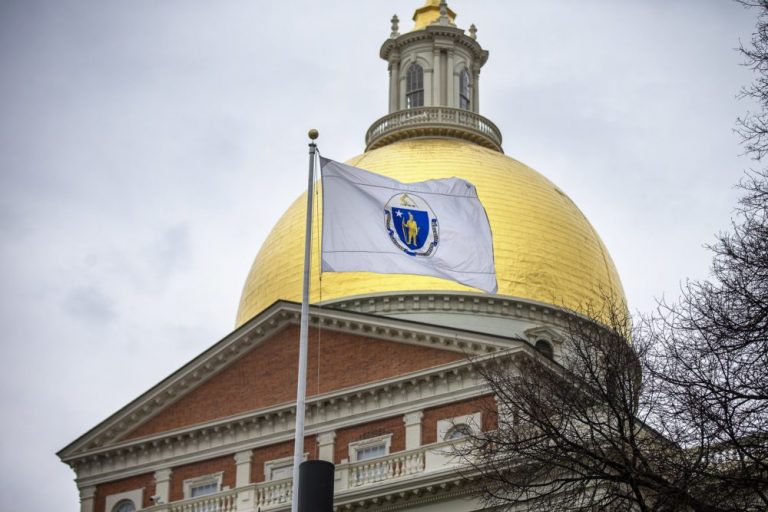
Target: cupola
<point x="434" y="76"/>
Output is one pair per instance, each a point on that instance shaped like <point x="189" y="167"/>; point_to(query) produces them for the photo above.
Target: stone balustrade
<point x="276" y="494"/>
<point x="433" y="121"/>
<point x="220" y="502"/>
<point x="386" y="468"/>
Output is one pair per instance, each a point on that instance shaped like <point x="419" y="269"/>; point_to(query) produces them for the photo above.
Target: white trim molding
<point x="357" y="446"/>
<point x="136" y="496"/>
<point x="473" y="421"/>
<point x="199" y="481"/>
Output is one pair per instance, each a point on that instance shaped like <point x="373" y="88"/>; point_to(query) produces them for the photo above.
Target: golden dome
<point x="545" y="249"/>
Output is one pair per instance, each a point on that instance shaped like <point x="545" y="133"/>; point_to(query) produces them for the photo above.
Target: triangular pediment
<point x="254" y="368"/>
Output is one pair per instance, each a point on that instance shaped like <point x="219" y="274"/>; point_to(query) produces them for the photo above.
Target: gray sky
<point x="147" y="147"/>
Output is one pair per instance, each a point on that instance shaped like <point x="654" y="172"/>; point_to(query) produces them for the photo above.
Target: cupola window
<point x="464" y="89"/>
<point x="414" y="86"/>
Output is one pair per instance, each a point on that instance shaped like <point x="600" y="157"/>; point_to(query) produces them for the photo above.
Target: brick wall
<point x="145" y="482"/>
<point x="266" y="375"/>
<point x="394" y="426"/>
<point x="278" y="451"/>
<point x="225" y="464"/>
<point x="485" y="404"/>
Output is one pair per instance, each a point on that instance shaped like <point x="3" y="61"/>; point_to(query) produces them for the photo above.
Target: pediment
<point x="253" y="347"/>
<point x="543" y="333"/>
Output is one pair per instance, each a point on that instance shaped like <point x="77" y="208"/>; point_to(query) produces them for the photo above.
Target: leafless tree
<point x="577" y="435"/>
<point x="709" y="354"/>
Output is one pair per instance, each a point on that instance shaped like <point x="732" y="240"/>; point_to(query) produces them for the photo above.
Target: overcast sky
<point x="147" y="147"/>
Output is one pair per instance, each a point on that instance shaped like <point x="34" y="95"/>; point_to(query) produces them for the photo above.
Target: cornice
<point x="433" y="33"/>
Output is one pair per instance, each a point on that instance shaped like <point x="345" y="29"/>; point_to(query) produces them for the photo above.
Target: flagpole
<point x="301" y="388"/>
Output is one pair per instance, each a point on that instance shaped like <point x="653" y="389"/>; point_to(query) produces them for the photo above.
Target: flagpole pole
<point x="301" y="388"/>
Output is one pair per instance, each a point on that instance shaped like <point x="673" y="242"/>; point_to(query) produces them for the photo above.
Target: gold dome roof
<point x="545" y="249"/>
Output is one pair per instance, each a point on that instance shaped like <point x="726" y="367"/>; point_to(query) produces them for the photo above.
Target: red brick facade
<point x="225" y="465"/>
<point x="266" y="375"/>
<point x="394" y="426"/>
<point x="485" y="404"/>
<point x="145" y="482"/>
<point x="278" y="451"/>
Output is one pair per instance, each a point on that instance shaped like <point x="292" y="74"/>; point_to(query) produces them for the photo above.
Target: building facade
<point x="392" y="385"/>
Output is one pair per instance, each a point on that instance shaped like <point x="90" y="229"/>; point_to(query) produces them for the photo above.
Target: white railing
<point x="438" y="117"/>
<point x="387" y="468"/>
<point x="221" y="502"/>
<point x="276" y="494"/>
<point x="273" y="493"/>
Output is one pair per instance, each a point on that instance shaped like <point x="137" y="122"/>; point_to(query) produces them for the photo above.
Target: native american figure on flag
<point x="411" y="230"/>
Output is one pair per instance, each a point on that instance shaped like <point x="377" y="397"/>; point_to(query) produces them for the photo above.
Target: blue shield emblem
<point x="411" y="225"/>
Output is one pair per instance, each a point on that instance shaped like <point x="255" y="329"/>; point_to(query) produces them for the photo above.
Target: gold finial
<point x="313" y="134"/>
<point x="430" y="13"/>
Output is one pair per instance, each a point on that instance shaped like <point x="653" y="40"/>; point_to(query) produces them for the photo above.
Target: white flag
<point x="372" y="223"/>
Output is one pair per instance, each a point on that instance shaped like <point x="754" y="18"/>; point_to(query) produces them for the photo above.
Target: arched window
<point x="464" y="89"/>
<point x="414" y="86"/>
<point x="545" y="348"/>
<point x="124" y="506"/>
<point x="458" y="431"/>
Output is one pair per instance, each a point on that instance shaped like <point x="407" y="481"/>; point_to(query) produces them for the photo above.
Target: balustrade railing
<point x="220" y="502"/>
<point x="472" y="125"/>
<point x="273" y="493"/>
<point x="276" y="494"/>
<point x="387" y="468"/>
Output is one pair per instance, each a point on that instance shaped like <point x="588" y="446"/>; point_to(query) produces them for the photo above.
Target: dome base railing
<point x="433" y="122"/>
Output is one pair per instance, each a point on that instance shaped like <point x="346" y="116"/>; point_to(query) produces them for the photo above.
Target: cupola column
<point x="475" y="89"/>
<point x="437" y="78"/>
<point x="452" y="96"/>
<point x="394" y="82"/>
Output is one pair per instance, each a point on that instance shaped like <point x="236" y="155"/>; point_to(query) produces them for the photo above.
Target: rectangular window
<point x="203" y="489"/>
<point x="371" y="452"/>
<point x="202" y="485"/>
<point x="371" y="448"/>
<point x="279" y="468"/>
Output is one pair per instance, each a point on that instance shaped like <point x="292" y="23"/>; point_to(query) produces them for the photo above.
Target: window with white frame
<point x="459" y="426"/>
<point x="202" y="485"/>
<point x="124" y="506"/>
<point x="280" y="468"/>
<point x="371" y="448"/>
<point x="414" y="86"/>
<point x="127" y="501"/>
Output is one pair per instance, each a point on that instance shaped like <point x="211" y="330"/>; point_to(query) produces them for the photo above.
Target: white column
<point x="475" y="85"/>
<point x="243" y="468"/>
<point x="163" y="485"/>
<point x="452" y="97"/>
<point x="394" y="84"/>
<point x="412" y="422"/>
<point x="437" y="74"/>
<point x="326" y="444"/>
<point x="87" y="495"/>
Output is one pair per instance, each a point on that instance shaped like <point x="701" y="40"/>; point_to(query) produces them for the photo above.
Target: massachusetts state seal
<point x="412" y="225"/>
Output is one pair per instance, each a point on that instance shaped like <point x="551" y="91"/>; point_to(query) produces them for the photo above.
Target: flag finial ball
<point x="313" y="134"/>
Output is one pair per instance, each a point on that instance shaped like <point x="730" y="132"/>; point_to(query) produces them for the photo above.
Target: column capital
<point x="326" y="437"/>
<point x="413" y="418"/>
<point x="163" y="475"/>
<point x="243" y="457"/>
<point x="87" y="493"/>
